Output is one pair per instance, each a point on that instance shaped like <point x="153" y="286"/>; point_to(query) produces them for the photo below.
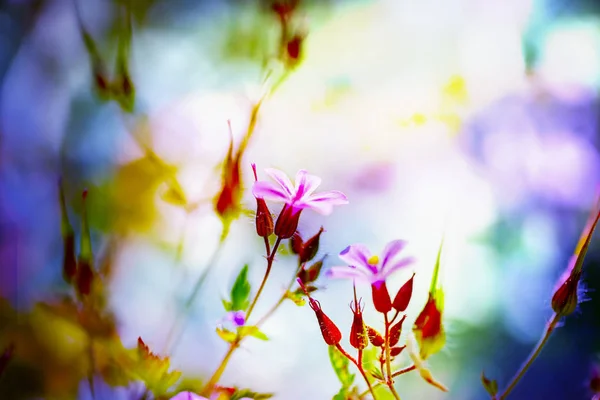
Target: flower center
<point x="373" y="260"/>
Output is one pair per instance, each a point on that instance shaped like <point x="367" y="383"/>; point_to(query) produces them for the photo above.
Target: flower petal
<point x="395" y="266"/>
<point x="391" y="250"/>
<point x="323" y="202"/>
<point x="347" y="272"/>
<point x="269" y="191"/>
<point x="356" y="255"/>
<point x="306" y="184"/>
<point x="282" y="179"/>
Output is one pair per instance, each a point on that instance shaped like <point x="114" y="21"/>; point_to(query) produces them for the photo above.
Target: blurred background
<point x="473" y="119"/>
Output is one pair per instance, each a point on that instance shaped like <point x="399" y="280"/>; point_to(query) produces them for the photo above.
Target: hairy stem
<point x="359" y="366"/>
<point x="390" y="380"/>
<point x="551" y="325"/>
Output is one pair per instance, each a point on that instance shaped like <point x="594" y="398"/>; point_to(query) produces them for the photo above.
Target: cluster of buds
<point x="79" y="271"/>
<point x="374" y="270"/>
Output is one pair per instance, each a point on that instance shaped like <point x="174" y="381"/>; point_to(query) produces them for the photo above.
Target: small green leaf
<point x="341" y="395"/>
<point x="240" y="291"/>
<point x="227" y="305"/>
<point x="341" y="367"/>
<point x="490" y="385"/>
<point x="252" y="331"/>
<point x="174" y="196"/>
<point x="241" y="393"/>
<point x="376" y="373"/>
<point x="296" y="297"/>
<point x="226" y="335"/>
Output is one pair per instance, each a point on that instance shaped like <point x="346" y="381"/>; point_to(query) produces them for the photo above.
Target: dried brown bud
<point x="375" y="337"/>
<point x="403" y="296"/>
<point x="296" y="243"/>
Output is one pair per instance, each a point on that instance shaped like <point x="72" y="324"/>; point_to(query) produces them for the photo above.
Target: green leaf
<point x="341" y="395"/>
<point x="240" y="292"/>
<point x="252" y="331"/>
<point x="241" y="393"/>
<point x="296" y="297"/>
<point x="341" y="366"/>
<point x="226" y="335"/>
<point x="227" y="305"/>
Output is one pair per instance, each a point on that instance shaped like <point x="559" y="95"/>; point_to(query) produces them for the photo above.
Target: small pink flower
<point x="237" y="317"/>
<point x="364" y="266"/>
<point x="299" y="196"/>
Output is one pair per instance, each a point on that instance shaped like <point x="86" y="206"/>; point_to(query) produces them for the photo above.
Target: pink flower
<point x="300" y="195"/>
<point x="362" y="265"/>
<point x="194" y="396"/>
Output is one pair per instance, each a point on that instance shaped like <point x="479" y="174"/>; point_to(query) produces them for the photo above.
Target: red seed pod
<point x="310" y="247"/>
<point x="69" y="261"/>
<point x="358" y="335"/>
<point x="394" y="351"/>
<point x="331" y="333"/>
<point x="381" y="297"/>
<point x="287" y="222"/>
<point x="403" y="296"/>
<point x="396" y="331"/>
<point x="296" y="243"/>
<point x="375" y="337"/>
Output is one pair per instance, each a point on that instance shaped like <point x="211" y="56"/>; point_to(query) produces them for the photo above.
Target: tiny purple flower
<point x="299" y="196"/>
<point x="237" y="317"/>
<point x="364" y="266"/>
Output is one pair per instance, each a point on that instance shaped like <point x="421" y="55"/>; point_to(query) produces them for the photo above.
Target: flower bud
<point x="296" y="243"/>
<point x="381" y="297"/>
<point x="331" y="333"/>
<point x="264" y="220"/>
<point x="227" y="202"/>
<point x="310" y="247"/>
<point x="375" y="337"/>
<point x="311" y="274"/>
<point x="294" y="48"/>
<point x="287" y="222"/>
<point x="358" y="336"/>
<point x="403" y="296"/>
<point x="396" y="331"/>
<point x="564" y="300"/>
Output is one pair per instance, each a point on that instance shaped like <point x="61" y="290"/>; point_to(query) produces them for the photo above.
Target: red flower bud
<point x="287" y="222"/>
<point x="375" y="337"/>
<point x="311" y="274"/>
<point x="331" y="333"/>
<point x="564" y="300"/>
<point x="358" y="336"/>
<point x="394" y="351"/>
<point x="69" y="260"/>
<point x="310" y="247"/>
<point x="85" y="273"/>
<point x="227" y="202"/>
<point x="428" y="328"/>
<point x="264" y="220"/>
<point x="296" y="243"/>
<point x="403" y="296"/>
<point x="396" y="331"/>
<point x="85" y="276"/>
<point x="381" y="297"/>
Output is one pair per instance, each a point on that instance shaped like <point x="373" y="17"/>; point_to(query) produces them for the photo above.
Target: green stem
<point x="214" y="379"/>
<point x="359" y="366"/>
<point x="534" y="354"/>
<point x="390" y="380"/>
